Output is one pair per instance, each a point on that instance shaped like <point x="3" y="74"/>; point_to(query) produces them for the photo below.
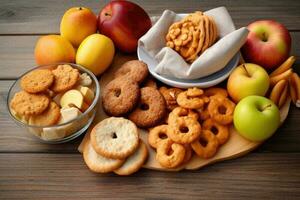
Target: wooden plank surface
<point x="32" y="170"/>
<point x="41" y="176"/>
<point x="32" y="16"/>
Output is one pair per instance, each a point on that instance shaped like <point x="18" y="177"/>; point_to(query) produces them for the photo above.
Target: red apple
<point x="124" y="22"/>
<point x="268" y="44"/>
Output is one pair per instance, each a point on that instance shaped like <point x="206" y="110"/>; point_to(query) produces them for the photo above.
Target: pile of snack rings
<point x="199" y="122"/>
<point x="192" y="35"/>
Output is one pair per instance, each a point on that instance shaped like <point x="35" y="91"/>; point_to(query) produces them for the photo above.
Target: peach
<point x="51" y="49"/>
<point x="78" y="23"/>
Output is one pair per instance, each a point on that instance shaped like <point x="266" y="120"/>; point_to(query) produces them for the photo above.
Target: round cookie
<point x="115" y="138"/>
<point x="135" y="70"/>
<point x="120" y="96"/>
<point x="38" y="80"/>
<point x="65" y="78"/>
<point x="151" y="109"/>
<point x="25" y="103"/>
<point x="98" y="163"/>
<point x="47" y="118"/>
<point x="134" y="162"/>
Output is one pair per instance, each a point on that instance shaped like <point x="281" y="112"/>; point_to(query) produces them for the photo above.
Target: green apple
<point x="256" y="118"/>
<point x="247" y="79"/>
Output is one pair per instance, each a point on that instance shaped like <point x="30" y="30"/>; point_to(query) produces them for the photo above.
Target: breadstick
<point x="284" y="66"/>
<point x="285" y="75"/>
<point x="277" y="91"/>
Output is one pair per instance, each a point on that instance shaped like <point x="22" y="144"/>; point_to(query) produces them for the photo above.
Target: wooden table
<point x="29" y="169"/>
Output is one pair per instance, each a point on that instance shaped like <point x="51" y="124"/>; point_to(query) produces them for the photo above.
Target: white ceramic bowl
<point x="204" y="82"/>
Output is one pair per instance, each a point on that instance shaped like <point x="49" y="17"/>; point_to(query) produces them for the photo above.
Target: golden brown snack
<point x="184" y="130"/>
<point x="220" y="131"/>
<point x="25" y="103"/>
<point x="170" y="95"/>
<point x="295" y="88"/>
<point x="65" y="78"/>
<point x="286" y="65"/>
<point x="193" y="98"/>
<point x="221" y="110"/>
<point x="151" y="109"/>
<point x="120" y="96"/>
<point x="181" y="112"/>
<point x="36" y="81"/>
<point x="277" y="91"/>
<point x="192" y="35"/>
<point x="157" y="134"/>
<point x="47" y="118"/>
<point x="206" y="146"/>
<point x="170" y="154"/>
<point x="135" y="70"/>
<point x="283" y="76"/>
<point x="213" y="91"/>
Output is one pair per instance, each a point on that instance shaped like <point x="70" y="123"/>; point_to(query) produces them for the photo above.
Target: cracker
<point x="98" y="163"/>
<point x="47" y="118"/>
<point x="25" y="103"/>
<point x="134" y="162"/>
<point x="38" y="80"/>
<point x="65" y="78"/>
<point x="115" y="138"/>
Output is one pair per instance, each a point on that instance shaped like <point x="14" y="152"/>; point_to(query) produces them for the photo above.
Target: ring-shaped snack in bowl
<point x="206" y="145"/>
<point x="220" y="131"/>
<point x="184" y="130"/>
<point x="221" y="110"/>
<point x="135" y="70"/>
<point x="120" y="96"/>
<point x="151" y="109"/>
<point x="157" y="134"/>
<point x="170" y="154"/>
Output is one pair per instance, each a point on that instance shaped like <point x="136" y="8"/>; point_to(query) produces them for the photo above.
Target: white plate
<point x="204" y="82"/>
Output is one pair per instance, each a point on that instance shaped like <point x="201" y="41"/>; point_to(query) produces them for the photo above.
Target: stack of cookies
<point x="130" y="94"/>
<point x="114" y="145"/>
<point x="52" y="96"/>
<point x="199" y="122"/>
<point x="192" y="35"/>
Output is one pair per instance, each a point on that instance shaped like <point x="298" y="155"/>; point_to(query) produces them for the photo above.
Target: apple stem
<point x="267" y="106"/>
<point x="80" y="8"/>
<point x="248" y="74"/>
<point x="107" y="14"/>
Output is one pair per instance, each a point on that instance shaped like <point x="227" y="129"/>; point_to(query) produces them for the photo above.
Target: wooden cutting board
<point x="235" y="147"/>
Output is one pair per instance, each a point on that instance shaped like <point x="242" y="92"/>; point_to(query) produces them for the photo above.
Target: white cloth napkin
<point x="171" y="64"/>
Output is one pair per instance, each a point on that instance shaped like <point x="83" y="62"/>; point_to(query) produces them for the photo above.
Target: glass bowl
<point x="64" y="132"/>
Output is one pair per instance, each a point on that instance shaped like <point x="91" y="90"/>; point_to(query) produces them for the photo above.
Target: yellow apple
<point x="247" y="79"/>
<point x="78" y="23"/>
<point x="95" y="53"/>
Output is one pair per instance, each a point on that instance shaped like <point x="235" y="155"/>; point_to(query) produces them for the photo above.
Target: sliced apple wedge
<point x="88" y="94"/>
<point x="72" y="97"/>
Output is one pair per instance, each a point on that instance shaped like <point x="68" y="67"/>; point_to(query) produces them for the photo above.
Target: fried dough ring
<point x="210" y="92"/>
<point x="184" y="130"/>
<point x="181" y="112"/>
<point x="167" y="159"/>
<point x="192" y="98"/>
<point x="157" y="134"/>
<point x="207" y="144"/>
<point x="220" y="131"/>
<point x="221" y="110"/>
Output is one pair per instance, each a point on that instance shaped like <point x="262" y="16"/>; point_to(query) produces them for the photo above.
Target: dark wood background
<point x="31" y="170"/>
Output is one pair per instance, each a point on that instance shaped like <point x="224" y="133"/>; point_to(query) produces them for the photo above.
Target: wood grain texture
<point x="57" y="176"/>
<point x="34" y="17"/>
<point x="17" y="54"/>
